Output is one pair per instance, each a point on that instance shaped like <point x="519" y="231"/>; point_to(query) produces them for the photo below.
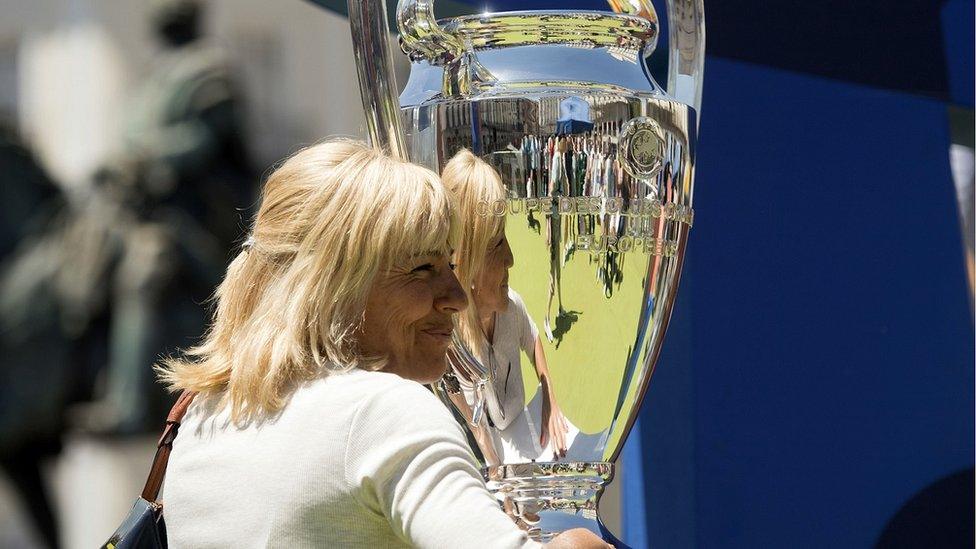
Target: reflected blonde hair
<point x="291" y="304"/>
<point x="476" y="187"/>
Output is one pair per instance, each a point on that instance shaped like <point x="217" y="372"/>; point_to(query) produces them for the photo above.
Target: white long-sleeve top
<point x="514" y="332"/>
<point x="361" y="459"/>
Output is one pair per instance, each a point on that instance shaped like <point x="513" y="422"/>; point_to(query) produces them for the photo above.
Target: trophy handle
<point x="686" y="51"/>
<point x="377" y="82"/>
<point x="422" y="37"/>
<point x="686" y="44"/>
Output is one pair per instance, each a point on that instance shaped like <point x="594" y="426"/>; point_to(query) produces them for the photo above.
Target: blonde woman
<point x="496" y="326"/>
<point x="311" y="427"/>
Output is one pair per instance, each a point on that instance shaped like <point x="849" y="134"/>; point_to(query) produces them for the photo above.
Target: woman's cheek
<point x="420" y="299"/>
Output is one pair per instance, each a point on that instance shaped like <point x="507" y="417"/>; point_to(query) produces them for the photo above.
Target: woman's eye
<point x="426" y="267"/>
<point x="499" y="243"/>
<point x="453" y="266"/>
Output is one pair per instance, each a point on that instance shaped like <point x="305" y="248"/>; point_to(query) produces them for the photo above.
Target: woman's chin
<point x="427" y="369"/>
<point x="433" y="374"/>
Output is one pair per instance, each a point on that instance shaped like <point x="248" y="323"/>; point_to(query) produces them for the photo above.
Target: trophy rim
<point x="538" y="470"/>
<point x="491" y="14"/>
<point x="579" y="27"/>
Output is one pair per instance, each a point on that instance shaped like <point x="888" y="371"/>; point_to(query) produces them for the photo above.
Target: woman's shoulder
<point x="366" y="383"/>
<point x="396" y="414"/>
<point x="378" y="395"/>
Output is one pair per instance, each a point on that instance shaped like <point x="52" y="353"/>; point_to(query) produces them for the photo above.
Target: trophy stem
<point x="545" y="499"/>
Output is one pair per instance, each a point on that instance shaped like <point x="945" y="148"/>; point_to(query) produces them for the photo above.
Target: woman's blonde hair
<point x="289" y="308"/>
<point x="477" y="188"/>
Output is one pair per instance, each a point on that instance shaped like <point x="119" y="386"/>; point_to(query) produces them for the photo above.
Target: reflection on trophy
<point x="574" y="176"/>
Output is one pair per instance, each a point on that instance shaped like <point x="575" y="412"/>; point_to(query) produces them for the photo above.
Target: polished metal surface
<point x="583" y="29"/>
<point x="597" y="215"/>
<point x="377" y="82"/>
<point x="421" y="37"/>
<point x="597" y="164"/>
<point x="547" y="498"/>
<point x="686" y="51"/>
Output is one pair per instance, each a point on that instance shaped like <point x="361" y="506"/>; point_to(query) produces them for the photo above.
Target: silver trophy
<point x="597" y="167"/>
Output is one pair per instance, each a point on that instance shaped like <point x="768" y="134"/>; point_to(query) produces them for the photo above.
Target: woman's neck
<point x="487" y="322"/>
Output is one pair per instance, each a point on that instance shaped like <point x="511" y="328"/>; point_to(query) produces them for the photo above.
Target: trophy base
<point x="547" y="498"/>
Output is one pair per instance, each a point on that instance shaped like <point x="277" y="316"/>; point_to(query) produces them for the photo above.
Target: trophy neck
<point x="545" y="499"/>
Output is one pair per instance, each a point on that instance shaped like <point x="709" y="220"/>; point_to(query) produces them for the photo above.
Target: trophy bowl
<point x="596" y="163"/>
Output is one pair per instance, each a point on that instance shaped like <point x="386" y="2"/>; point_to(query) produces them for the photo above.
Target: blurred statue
<point x="34" y="377"/>
<point x="116" y="273"/>
<point x="166" y="209"/>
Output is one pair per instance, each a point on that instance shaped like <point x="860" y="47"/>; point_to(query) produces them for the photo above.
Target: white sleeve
<point x="407" y="459"/>
<point x="527" y="330"/>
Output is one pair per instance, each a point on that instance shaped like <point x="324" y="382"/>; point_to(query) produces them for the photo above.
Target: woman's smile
<point x="440" y="334"/>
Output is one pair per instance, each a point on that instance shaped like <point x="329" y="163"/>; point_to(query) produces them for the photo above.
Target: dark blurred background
<point x="817" y="383"/>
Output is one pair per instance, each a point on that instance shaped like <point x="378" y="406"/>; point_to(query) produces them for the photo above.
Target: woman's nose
<point x="451" y="298"/>
<point x="509" y="257"/>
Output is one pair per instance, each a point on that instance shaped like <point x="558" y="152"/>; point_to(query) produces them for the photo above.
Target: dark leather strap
<point x="165" y="446"/>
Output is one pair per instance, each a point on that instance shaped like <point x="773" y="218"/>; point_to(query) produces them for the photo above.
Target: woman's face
<point x="490" y="292"/>
<point x="408" y="316"/>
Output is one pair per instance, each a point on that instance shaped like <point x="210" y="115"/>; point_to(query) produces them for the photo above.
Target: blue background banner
<point x="819" y="370"/>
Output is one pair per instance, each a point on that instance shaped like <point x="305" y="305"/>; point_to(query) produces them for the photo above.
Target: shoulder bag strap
<point x="165" y="446"/>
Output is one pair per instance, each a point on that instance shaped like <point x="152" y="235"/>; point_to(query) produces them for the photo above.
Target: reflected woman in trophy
<point x="496" y="329"/>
